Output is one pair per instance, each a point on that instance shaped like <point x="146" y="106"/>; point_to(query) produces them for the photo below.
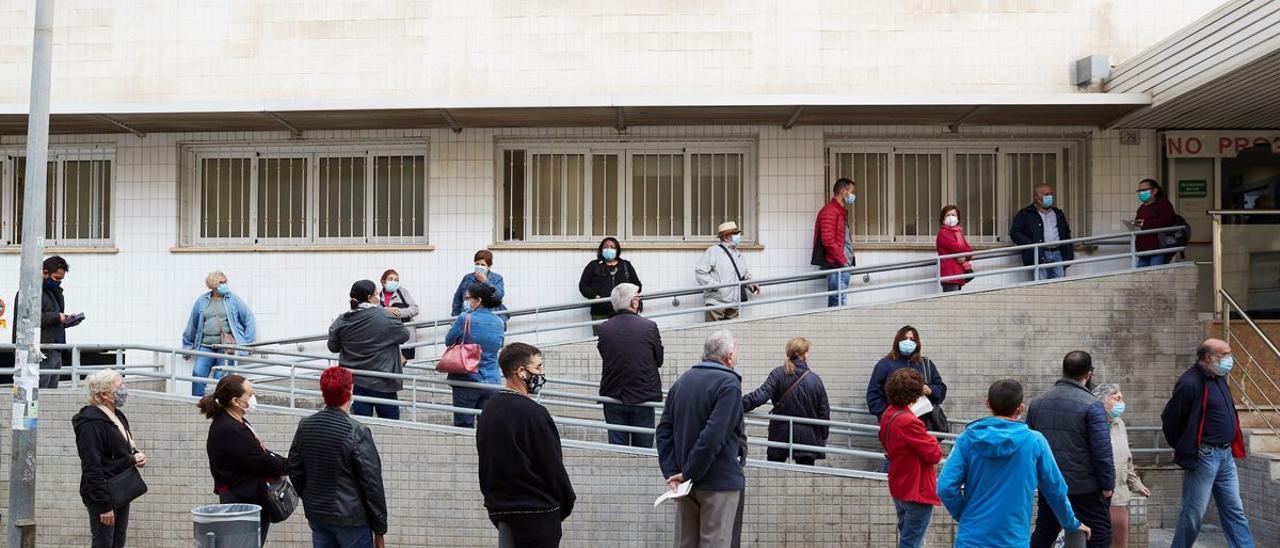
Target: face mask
<point x="253" y="403"/>
<point x="849" y="199"/>
<point x="466" y="305"/>
<point x="609" y="253"/>
<point x="121" y="396"/>
<point x="907" y="347"/>
<point x="951" y="220"/>
<point x="1117" y="410"/>
<point x="534" y="382"/>
<point x="1144" y="196"/>
<point x="1225" y="364"/>
<point x="736" y="240"/>
<point x="224" y="289"/>
<point x="481" y="269"/>
<point x="52" y="282"/>
<point x="1048" y="200"/>
<point x="391" y="287"/>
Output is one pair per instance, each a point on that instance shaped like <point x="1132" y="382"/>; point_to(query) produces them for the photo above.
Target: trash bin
<point x="227" y="526"/>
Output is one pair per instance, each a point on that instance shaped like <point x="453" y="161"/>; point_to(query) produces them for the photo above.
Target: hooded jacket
<point x="598" y="279"/>
<point x="104" y="452"/>
<point x="368" y="338"/>
<point x="990" y="480"/>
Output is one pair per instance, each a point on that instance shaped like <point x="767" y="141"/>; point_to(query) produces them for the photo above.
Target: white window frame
<point x="1077" y="211"/>
<point x="58" y="156"/>
<point x="193" y="154"/>
<point x="626" y="151"/>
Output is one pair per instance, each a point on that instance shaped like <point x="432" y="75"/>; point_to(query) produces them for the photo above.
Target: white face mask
<point x="951" y="220"/>
<point x="252" y="403"/>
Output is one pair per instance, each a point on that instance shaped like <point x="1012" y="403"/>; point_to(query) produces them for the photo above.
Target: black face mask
<point x="534" y="382"/>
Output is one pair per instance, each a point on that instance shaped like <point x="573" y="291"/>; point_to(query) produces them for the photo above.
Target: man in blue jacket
<point x="992" y="474"/>
<point x="699" y="439"/>
<point x="1201" y="425"/>
<point x="1075" y="424"/>
<point x="1043" y="222"/>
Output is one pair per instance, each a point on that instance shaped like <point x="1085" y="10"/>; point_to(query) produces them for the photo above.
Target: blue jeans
<point x="367" y="409"/>
<point x="913" y="522"/>
<point x="1214" y="473"/>
<point x="836" y="282"/>
<point x="202" y="367"/>
<point x="335" y="536"/>
<point x="629" y="415"/>
<point x="468" y="398"/>
<point x="1153" y="260"/>
<point x="1051" y="272"/>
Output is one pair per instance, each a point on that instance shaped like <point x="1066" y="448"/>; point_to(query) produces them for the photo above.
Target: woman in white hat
<point x="723" y="263"/>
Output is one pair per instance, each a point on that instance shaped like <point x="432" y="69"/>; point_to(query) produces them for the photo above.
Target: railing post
<point x="75" y="366"/>
<point x="413" y="387"/>
<point x="937" y="272"/>
<point x="1133" y="250"/>
<point x="119" y="357"/>
<point x="293" y="385"/>
<point x="173" y="372"/>
<point x="1217" y="266"/>
<point x="791" y="440"/>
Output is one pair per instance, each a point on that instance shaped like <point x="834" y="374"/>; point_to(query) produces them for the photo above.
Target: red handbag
<point x="462" y="358"/>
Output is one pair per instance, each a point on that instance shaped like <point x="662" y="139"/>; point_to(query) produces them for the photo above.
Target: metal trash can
<point x="227" y="526"/>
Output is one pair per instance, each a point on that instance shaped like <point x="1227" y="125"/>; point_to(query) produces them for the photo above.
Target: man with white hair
<point x="699" y="438"/>
<point x="631" y="348"/>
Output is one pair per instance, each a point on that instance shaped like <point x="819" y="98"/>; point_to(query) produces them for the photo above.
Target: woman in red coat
<point x="950" y="241"/>
<point x="913" y="454"/>
<point x="1155" y="212"/>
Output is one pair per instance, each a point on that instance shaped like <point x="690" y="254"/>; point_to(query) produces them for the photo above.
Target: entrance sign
<point x="1217" y="144"/>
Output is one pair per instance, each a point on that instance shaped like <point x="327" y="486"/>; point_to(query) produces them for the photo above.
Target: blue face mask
<point x="466" y="305"/>
<point x="907" y="347"/>
<point x="849" y="199"/>
<point x="391" y="287"/>
<point x="1117" y="410"/>
<point x="1225" y="364"/>
<point x="480" y="269"/>
<point x="609" y="253"/>
<point x="1144" y="196"/>
<point x="224" y="289"/>
<point x="736" y="240"/>
<point x="50" y="282"/>
<point x="1048" y="200"/>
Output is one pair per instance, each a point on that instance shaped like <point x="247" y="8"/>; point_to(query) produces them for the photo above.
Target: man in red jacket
<point x="832" y="240"/>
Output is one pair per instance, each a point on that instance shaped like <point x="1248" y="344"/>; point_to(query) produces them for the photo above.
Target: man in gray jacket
<point x="1075" y="425"/>
<point x="723" y="263"/>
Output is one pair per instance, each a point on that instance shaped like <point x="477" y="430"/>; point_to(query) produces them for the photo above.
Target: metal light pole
<point x="21" y="529"/>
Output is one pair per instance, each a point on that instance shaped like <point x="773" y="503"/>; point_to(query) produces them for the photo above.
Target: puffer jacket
<point x="828" y="236"/>
<point x="808" y="399"/>
<point x="104" y="452"/>
<point x="1075" y="424"/>
<point x="335" y="467"/>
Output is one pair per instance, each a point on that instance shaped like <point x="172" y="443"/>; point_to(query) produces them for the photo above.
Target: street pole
<point x="21" y="530"/>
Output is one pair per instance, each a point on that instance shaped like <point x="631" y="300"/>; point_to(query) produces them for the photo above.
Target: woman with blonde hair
<point x="217" y="317"/>
<point x="795" y="391"/>
<point x="107" y="450"/>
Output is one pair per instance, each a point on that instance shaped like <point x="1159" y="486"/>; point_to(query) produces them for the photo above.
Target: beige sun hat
<point x="728" y="227"/>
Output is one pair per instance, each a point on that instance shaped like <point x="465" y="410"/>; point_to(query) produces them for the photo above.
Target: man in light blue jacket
<point x="217" y="317"/>
<point x="991" y="476"/>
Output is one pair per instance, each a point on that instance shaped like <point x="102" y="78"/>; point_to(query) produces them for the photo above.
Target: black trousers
<point x="108" y="537"/>
<point x="529" y="530"/>
<point x="805" y="460"/>
<point x="1092" y="509"/>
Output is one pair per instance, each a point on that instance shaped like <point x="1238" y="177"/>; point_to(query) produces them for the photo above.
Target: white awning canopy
<point x="1073" y="109"/>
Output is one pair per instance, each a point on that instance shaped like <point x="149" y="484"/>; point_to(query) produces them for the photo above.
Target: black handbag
<point x="125" y="486"/>
<point x="936" y="420"/>
<point x="280" y="500"/>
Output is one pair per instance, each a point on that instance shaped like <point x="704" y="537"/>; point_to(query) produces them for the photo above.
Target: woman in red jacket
<point x="1155" y="212"/>
<point x="950" y="241"/>
<point x="913" y="481"/>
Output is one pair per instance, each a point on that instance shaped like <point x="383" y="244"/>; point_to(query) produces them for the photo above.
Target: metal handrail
<point x="1248" y="372"/>
<point x="1005" y="251"/>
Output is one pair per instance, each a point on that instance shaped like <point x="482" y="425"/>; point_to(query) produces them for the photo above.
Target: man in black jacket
<point x="526" y="488"/>
<point x="335" y="467"/>
<point x="54" y="320"/>
<point x="1042" y="222"/>
<point x="1075" y="424"/>
<point x="632" y="352"/>
<point x="1201" y="425"/>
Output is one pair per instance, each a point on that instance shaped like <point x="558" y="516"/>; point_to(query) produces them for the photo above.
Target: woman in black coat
<point x="600" y="276"/>
<point x="240" y="463"/>
<point x="106" y="449"/>
<point x="795" y="391"/>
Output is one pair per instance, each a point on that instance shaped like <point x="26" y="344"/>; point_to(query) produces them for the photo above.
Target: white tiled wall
<point x="143" y="293"/>
<point x="144" y="51"/>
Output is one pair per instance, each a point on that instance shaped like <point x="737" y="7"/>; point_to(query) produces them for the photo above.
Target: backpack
<point x="1176" y="238"/>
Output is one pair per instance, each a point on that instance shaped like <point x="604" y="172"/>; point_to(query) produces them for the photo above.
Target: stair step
<point x="1256" y="419"/>
<point x="1263" y="440"/>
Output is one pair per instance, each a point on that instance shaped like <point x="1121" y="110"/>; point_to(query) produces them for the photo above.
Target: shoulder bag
<point x="936" y="420"/>
<point x="280" y="499"/>
<point x="126" y="486"/>
<point x="792" y="387"/>
<point x="742" y="289"/>
<point x="462" y="358"/>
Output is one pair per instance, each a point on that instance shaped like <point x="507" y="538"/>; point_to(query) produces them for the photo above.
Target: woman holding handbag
<point x="109" y="460"/>
<point x="796" y="391"/>
<point x="401" y="305"/>
<point x="949" y="242"/>
<point x="478" y="325"/>
<point x="240" y="463"/>
<point x="913" y="480"/>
